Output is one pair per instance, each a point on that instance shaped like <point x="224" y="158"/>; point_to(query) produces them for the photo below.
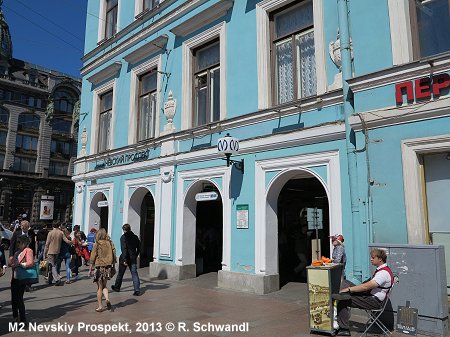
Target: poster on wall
<point x="47" y="207"/>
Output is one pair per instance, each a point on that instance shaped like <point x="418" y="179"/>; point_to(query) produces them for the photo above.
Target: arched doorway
<point x="141" y="217"/>
<point x="289" y="197"/>
<point x="98" y="212"/>
<point x="203" y="227"/>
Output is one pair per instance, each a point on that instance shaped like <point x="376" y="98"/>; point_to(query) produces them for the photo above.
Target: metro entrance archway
<point x="99" y="212"/>
<point x="203" y="227"/>
<point x="288" y="199"/>
<point x="141" y="217"/>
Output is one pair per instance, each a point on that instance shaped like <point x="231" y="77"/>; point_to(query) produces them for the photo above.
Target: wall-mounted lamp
<point x="230" y="145"/>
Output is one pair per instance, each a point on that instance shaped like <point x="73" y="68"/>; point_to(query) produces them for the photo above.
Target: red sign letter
<point x="423" y="88"/>
<point x="399" y="92"/>
<point x="440" y="82"/>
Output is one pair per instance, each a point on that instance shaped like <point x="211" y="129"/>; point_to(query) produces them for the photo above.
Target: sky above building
<point x="48" y="33"/>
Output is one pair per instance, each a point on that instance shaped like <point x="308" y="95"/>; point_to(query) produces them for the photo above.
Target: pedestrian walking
<point x="51" y="252"/>
<point x="41" y="238"/>
<point x="91" y="239"/>
<point x="64" y="255"/>
<point x="129" y="244"/>
<point x="103" y="258"/>
<point x="23" y="257"/>
<point x="25" y="231"/>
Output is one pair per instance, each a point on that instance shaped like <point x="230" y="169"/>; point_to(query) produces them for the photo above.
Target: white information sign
<point x="242" y="216"/>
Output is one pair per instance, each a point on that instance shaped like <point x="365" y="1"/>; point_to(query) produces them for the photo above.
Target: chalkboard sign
<point x="407" y="319"/>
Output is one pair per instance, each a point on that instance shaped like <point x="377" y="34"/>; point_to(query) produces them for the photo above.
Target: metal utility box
<point x="322" y="282"/>
<point x="422" y="281"/>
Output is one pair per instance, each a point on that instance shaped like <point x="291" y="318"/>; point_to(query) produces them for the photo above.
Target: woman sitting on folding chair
<point x="368" y="295"/>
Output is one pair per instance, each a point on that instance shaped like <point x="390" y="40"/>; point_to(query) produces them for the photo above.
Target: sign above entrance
<point x="123" y="159"/>
<point x="206" y="196"/>
<point x="103" y="203"/>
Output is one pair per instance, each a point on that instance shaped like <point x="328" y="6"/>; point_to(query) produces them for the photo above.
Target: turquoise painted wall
<point x="371" y="37"/>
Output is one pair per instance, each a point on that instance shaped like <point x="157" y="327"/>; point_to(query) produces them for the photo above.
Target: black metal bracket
<point x="239" y="164"/>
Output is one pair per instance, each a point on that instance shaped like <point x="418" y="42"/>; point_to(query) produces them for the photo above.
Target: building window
<point x="106" y="101"/>
<point x="111" y="18"/>
<point x="64" y="101"/>
<point x="206" y="84"/>
<point x="28" y="121"/>
<point x="3" y="135"/>
<point x="57" y="169"/>
<point x="2" y="160"/>
<point x="24" y="164"/>
<point x="430" y="21"/>
<point x="26" y="143"/>
<point x="61" y="125"/>
<point x="4" y="116"/>
<point x="147" y="105"/>
<point x="293" y="53"/>
<point x="60" y="148"/>
<point x="150" y="4"/>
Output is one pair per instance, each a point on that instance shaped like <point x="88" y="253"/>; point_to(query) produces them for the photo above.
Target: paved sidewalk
<point x="189" y="304"/>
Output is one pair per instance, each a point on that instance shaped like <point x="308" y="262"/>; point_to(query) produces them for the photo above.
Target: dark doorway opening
<point x="295" y="240"/>
<point x="104" y="218"/>
<point x="147" y="230"/>
<point x="209" y="236"/>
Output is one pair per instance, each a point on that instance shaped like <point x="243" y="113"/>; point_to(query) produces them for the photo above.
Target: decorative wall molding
<point x="400" y="24"/>
<point x="402" y="73"/>
<point x="203" y="18"/>
<point x="107" y="72"/>
<point x="400" y="115"/>
<point x="157" y="45"/>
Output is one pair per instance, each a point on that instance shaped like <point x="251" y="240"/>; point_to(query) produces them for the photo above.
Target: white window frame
<point x="97" y="93"/>
<point x="139" y="6"/>
<point x="412" y="182"/>
<point x="265" y="71"/>
<point x="400" y="26"/>
<point x="213" y="33"/>
<point x="136" y="72"/>
<point x="102" y="20"/>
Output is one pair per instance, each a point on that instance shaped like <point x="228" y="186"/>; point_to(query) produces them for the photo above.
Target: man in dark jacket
<point x="129" y="244"/>
<point x="26" y="231"/>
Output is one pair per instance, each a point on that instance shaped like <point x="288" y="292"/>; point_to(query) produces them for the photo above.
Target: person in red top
<point x="23" y="258"/>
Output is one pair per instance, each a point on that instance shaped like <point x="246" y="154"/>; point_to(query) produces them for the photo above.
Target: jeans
<point x="67" y="262"/>
<point x="134" y="276"/>
<point x="40" y="250"/>
<point x="17" y="304"/>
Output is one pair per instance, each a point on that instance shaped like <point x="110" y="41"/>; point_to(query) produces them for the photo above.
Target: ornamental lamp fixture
<point x="229" y="145"/>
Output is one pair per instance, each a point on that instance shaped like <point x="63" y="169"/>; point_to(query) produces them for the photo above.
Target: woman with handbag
<point x="103" y="258"/>
<point x="23" y="258"/>
<point x="65" y="255"/>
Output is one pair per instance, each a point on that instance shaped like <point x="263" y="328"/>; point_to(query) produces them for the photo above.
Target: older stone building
<point x="37" y="136"/>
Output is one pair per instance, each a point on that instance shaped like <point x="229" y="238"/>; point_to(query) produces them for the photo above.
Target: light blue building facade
<point x="362" y="135"/>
